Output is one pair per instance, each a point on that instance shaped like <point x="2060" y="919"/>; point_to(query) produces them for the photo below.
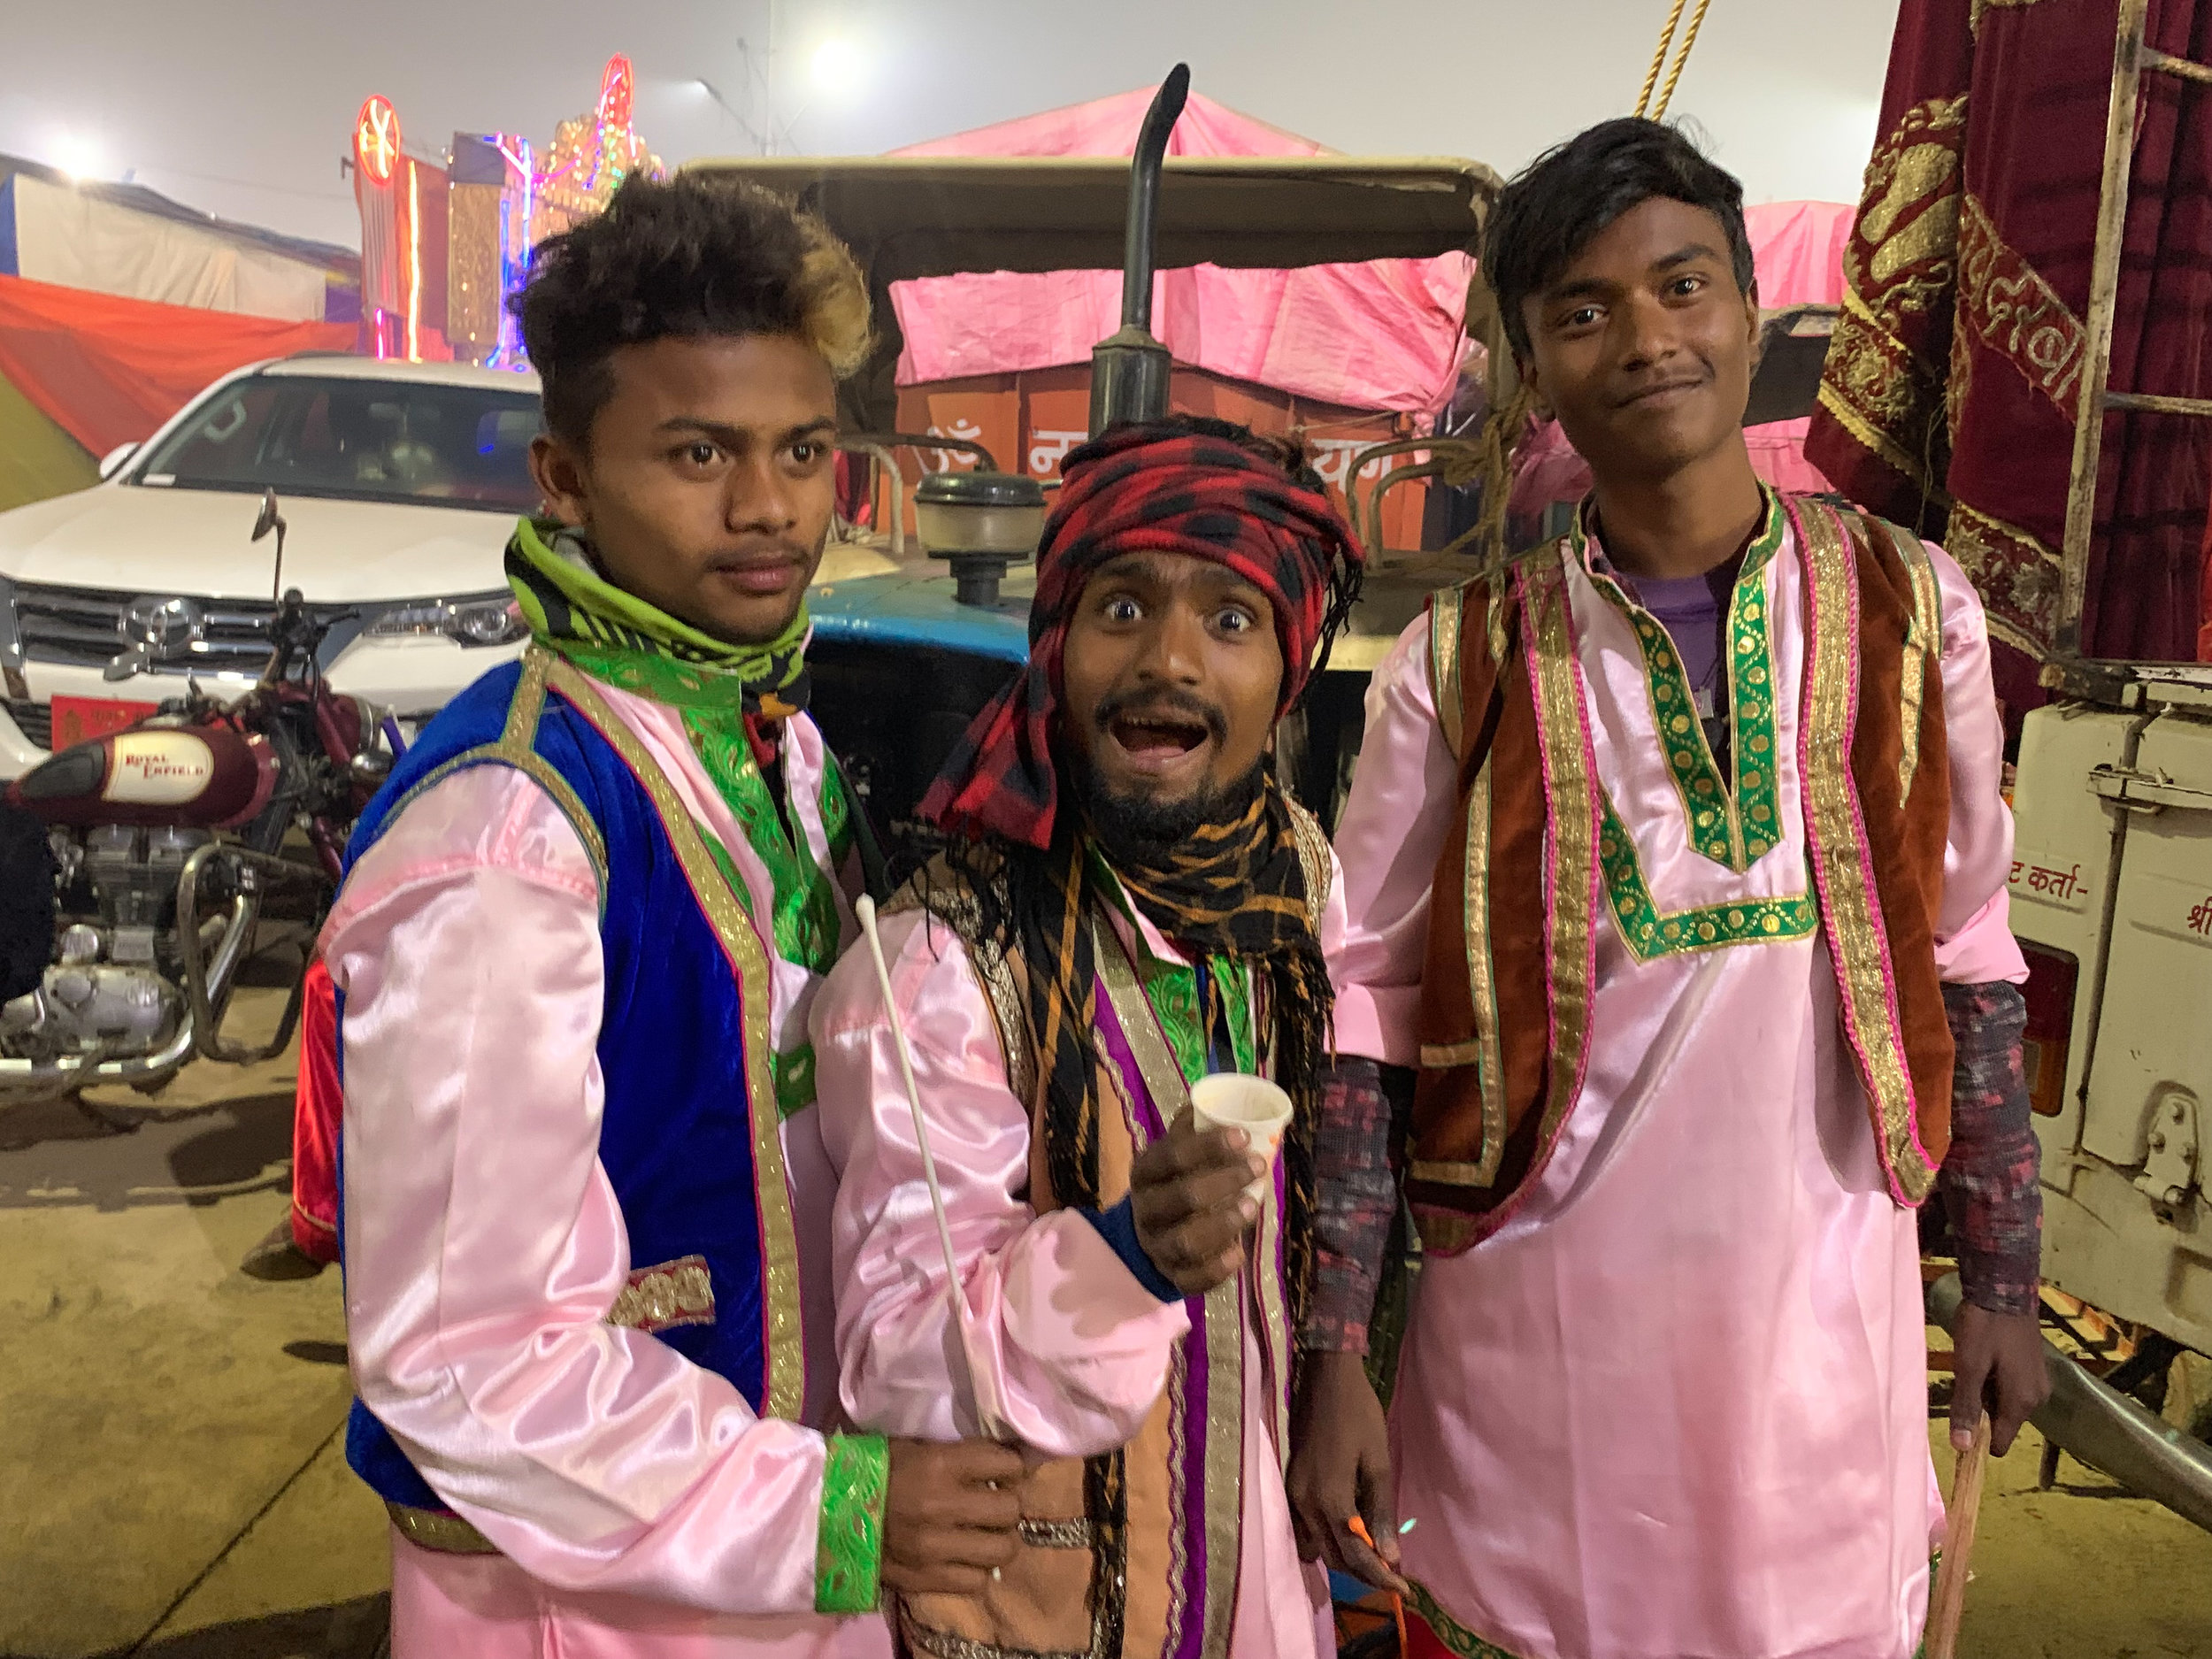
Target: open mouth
<point x="1158" y="740"/>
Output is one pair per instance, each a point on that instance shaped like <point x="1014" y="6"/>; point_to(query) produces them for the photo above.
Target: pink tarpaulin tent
<point x="1381" y="335"/>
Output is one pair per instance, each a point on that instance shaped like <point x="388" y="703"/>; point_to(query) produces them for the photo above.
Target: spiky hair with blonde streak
<point x="691" y="257"/>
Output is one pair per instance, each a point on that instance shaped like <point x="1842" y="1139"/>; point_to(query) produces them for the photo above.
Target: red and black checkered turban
<point x="1137" y="489"/>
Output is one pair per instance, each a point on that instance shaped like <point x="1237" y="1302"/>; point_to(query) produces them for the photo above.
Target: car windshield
<point x="357" y="440"/>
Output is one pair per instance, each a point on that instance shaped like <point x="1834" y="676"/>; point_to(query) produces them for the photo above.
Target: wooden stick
<point x="1958" y="1545"/>
<point x="989" y="1419"/>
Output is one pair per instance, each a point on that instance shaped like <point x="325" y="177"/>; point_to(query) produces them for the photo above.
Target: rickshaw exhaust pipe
<point x="1129" y="373"/>
<point x="2103" y="1428"/>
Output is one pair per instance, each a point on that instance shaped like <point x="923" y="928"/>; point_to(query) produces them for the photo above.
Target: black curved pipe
<point x="1144" y="196"/>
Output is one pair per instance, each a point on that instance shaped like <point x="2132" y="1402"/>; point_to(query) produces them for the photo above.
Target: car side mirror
<point x="116" y="459"/>
<point x="270" y="518"/>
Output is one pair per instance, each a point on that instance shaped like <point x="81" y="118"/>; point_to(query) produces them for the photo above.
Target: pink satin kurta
<point x="1075" y="1349"/>
<point x="1677" y="1405"/>
<point x="642" y="1509"/>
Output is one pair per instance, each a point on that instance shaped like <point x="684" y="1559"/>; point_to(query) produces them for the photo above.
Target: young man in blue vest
<point x="585" y="1197"/>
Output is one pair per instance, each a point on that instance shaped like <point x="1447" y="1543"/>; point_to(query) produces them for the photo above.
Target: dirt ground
<point x="173" y="1484"/>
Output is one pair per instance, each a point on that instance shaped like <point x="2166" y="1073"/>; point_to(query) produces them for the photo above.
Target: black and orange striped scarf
<point x="1235" y="892"/>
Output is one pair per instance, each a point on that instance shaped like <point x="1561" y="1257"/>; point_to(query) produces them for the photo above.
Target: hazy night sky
<point x="245" y="108"/>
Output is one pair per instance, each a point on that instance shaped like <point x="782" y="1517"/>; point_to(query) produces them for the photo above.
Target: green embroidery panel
<point x="663" y="679"/>
<point x="1455" y="1637"/>
<point x="1734" y="825"/>
<point x="1172" y="991"/>
<point x="848" y="1544"/>
<point x="1651" y="934"/>
<point x="804" y="923"/>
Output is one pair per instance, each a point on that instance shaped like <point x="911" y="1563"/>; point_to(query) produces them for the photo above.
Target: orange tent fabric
<point x="109" y="370"/>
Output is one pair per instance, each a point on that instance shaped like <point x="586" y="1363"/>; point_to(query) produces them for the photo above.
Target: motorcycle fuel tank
<point x="201" y="774"/>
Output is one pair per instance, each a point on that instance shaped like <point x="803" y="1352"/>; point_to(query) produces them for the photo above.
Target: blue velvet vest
<point x="690" y="1135"/>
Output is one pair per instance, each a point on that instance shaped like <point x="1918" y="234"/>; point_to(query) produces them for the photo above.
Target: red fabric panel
<point x="315" y="1120"/>
<point x="109" y="370"/>
<point x="1995" y="295"/>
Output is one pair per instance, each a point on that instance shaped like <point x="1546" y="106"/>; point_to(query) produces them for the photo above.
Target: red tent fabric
<point x="109" y="370"/>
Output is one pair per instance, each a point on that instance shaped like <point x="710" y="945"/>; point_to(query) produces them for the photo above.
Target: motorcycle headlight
<point x="473" y="620"/>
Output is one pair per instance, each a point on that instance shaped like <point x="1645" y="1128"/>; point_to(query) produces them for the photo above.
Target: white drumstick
<point x="988" y="1418"/>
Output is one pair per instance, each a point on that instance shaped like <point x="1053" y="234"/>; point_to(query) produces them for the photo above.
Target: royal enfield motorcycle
<point x="168" y="845"/>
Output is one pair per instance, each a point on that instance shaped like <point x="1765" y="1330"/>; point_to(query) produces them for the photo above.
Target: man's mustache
<point x="1162" y="706"/>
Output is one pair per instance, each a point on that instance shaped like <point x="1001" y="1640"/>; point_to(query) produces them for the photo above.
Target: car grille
<point x="84" y="627"/>
<point x="35" y="720"/>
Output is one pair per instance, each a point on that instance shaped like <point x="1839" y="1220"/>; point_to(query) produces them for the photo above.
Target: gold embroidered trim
<point x="1564" y="731"/>
<point x="1482" y="981"/>
<point x="1223" y="1457"/>
<point x="514" y="748"/>
<point x="2016" y="574"/>
<point x="1447" y="612"/>
<point x="1856" y="940"/>
<point x="661" y="1298"/>
<point x="941" y="1644"/>
<point x="1319" y="866"/>
<point x="784" y="1357"/>
<point x="2016" y="313"/>
<point x="1452" y="1171"/>
<point x="1075" y="1534"/>
<point x="1650" y="932"/>
<point x="1924" y="634"/>
<point x="1444" y="1056"/>
<point x="439" y="1529"/>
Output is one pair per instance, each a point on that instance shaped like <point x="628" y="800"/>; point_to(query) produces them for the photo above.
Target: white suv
<point x="399" y="483"/>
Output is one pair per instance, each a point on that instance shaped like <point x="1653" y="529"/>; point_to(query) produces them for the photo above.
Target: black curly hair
<point x="691" y="255"/>
<point x="1567" y="196"/>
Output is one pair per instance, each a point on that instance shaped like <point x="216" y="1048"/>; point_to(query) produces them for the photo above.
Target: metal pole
<point x="2104" y="289"/>
<point x="1130" y="372"/>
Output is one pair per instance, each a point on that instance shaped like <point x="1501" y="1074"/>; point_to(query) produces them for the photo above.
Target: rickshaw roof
<point x="923" y="216"/>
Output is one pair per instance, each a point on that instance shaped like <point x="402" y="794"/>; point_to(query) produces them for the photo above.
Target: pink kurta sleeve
<point x="1076" y="1349"/>
<point x="1974" y="942"/>
<point x="1392" y="832"/>
<point x="484" y="1246"/>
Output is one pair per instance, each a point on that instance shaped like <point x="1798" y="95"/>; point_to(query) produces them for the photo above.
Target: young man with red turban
<point x="1130" y="901"/>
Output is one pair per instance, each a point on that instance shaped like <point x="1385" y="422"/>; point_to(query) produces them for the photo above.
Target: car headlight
<point x="473" y="620"/>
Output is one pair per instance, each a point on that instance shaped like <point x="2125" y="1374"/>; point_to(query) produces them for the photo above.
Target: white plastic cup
<point x="1235" y="1100"/>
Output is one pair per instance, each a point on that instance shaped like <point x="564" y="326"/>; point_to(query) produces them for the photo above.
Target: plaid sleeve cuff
<point x="1355" y="1198"/>
<point x="849" y="1546"/>
<point x="1991" y="1196"/>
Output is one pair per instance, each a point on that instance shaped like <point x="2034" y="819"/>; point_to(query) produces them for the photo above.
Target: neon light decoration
<point x="376" y="138"/>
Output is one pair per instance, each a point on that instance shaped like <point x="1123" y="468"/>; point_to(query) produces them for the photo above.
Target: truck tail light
<point x="2049" y="995"/>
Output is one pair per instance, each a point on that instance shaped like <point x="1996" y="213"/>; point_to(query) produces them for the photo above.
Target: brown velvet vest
<point x="1509" y="979"/>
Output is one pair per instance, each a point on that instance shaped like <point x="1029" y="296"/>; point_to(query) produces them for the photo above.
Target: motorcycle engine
<point x="107" y="990"/>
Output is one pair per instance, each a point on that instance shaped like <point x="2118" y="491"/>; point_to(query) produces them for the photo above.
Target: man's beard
<point x="1138" y="831"/>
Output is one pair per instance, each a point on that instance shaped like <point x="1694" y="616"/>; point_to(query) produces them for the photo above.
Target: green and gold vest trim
<point x="1736" y="823"/>
<point x="1650" y="932"/>
<point x="848" y="1543"/>
<point x="803" y="922"/>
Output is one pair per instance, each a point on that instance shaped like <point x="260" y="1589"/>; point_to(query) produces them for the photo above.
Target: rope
<point x="1666" y="93"/>
<point x="1659" y="58"/>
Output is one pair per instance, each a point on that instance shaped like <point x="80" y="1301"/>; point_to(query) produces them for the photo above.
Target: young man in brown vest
<point x="1675" y="866"/>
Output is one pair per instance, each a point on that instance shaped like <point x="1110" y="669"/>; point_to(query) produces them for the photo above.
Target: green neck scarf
<point x="620" y="638"/>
